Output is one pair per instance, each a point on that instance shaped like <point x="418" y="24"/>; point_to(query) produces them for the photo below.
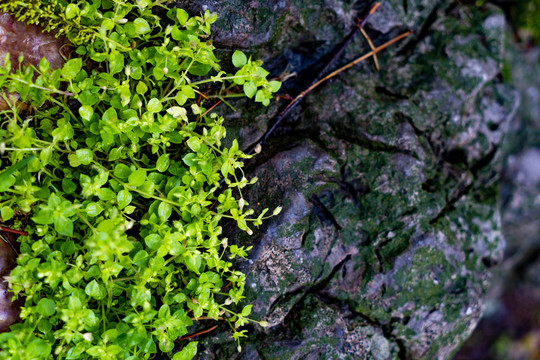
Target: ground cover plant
<point x="118" y="174"/>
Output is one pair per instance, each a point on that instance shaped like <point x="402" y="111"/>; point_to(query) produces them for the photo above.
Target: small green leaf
<point x="275" y="85"/>
<point x="6" y="174"/>
<point x="7" y="213"/>
<point x="154" y="105"/>
<point x="46" y="307"/>
<point x="137" y="178"/>
<point x="194" y="143"/>
<point x="250" y="89"/>
<point x="95" y="290"/>
<point x="93" y="209"/>
<point x="85" y="156"/>
<point x="153" y="241"/>
<point x="164" y="211"/>
<point x="162" y="163"/>
<point x="86" y="112"/>
<point x="63" y="225"/>
<point x="72" y="10"/>
<point x="239" y="59"/>
<point x="68" y="186"/>
<point x="246" y="310"/>
<point x="71" y="68"/>
<point x="178" y="112"/>
<point x="141" y="88"/>
<point x="260" y="97"/>
<point x="116" y="62"/>
<point x="188" y="352"/>
<point x="141" y="26"/>
<point x="123" y="198"/>
<point x="193" y="262"/>
<point x="38" y="349"/>
<point x="182" y="16"/>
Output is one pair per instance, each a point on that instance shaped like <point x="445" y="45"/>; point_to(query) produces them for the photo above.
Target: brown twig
<point x="197" y="333"/>
<point x="371" y="46"/>
<point x="13" y="231"/>
<point x="337" y="54"/>
<point x="352" y="63"/>
<point x="297" y="99"/>
<point x="212" y="108"/>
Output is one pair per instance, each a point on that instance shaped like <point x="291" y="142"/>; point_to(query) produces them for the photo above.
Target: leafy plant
<point x="117" y="178"/>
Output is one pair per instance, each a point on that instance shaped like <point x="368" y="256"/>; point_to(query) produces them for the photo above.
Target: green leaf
<point x="163" y="162"/>
<point x="193" y="262"/>
<point x="123" y="198"/>
<point x="153" y="241"/>
<point x="68" y="186"/>
<point x="250" y="89"/>
<point x="72" y="10"/>
<point x="164" y="211"/>
<point x="239" y="59"/>
<point x="246" y="310"/>
<point x="141" y="26"/>
<point x="93" y="209"/>
<point x="122" y="171"/>
<point x="188" y="352"/>
<point x="85" y="156"/>
<point x="95" y="290"/>
<point x="141" y="88"/>
<point x="6" y="213"/>
<point x="86" y="112"/>
<point x="63" y="225"/>
<point x="137" y="178"/>
<point x="275" y="85"/>
<point x="6" y="174"/>
<point x="199" y="69"/>
<point x="154" y="105"/>
<point x="39" y="349"/>
<point x="71" y="68"/>
<point x="46" y="307"/>
<point x="194" y="143"/>
<point x="116" y="62"/>
<point x="178" y="112"/>
<point x="182" y="16"/>
<point x="260" y="97"/>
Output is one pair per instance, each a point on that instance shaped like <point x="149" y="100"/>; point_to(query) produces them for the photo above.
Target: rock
<point x="19" y="39"/>
<point x="507" y="330"/>
<point x="388" y="180"/>
<point x="9" y="310"/>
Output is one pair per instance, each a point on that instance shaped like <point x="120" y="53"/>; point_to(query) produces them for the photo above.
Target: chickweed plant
<point x="122" y="183"/>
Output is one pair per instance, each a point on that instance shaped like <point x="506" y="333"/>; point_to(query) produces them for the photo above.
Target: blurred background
<point x="510" y="328"/>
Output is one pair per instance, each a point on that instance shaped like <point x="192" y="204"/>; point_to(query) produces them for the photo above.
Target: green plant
<point x="121" y="194"/>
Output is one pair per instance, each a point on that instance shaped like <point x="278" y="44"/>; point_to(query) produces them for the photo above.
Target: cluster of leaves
<point x="117" y="176"/>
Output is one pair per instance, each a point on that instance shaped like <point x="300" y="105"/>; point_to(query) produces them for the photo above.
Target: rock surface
<point x="509" y="328"/>
<point x="388" y="180"/>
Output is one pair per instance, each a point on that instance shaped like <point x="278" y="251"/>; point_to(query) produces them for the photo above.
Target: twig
<point x="346" y="43"/>
<point x="197" y="334"/>
<point x="13" y="231"/>
<point x="213" y="106"/>
<point x="296" y="100"/>
<point x="371" y="46"/>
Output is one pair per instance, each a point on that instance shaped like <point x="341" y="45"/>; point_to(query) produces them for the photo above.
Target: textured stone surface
<point x="388" y="181"/>
<point x="509" y="329"/>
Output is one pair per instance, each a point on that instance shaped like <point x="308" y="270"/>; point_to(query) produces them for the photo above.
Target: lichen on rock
<point x="388" y="180"/>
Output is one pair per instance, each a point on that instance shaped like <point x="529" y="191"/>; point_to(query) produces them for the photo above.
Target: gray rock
<point x="388" y="181"/>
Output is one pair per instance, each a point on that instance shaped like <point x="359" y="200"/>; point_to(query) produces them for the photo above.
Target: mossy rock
<point x="388" y="180"/>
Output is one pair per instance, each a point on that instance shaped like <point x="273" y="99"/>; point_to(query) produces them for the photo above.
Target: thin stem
<point x="43" y="88"/>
